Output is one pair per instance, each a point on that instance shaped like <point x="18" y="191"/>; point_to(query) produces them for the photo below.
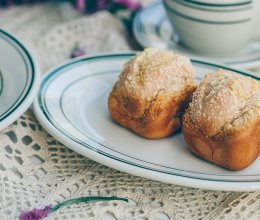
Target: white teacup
<point x="214" y="28"/>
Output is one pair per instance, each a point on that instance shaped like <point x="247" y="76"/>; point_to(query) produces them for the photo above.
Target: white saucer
<point x="19" y="79"/>
<point x="72" y="106"/>
<point x="153" y="29"/>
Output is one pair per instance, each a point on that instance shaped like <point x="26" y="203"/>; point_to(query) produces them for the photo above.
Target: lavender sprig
<point x="36" y="214"/>
<point x="129" y="4"/>
<point x="39" y="214"/>
<point x="78" y="51"/>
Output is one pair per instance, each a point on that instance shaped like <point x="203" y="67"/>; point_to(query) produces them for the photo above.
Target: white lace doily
<point x="36" y="170"/>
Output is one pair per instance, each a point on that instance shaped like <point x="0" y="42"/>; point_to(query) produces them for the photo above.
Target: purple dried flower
<point x="35" y="214"/>
<point x="77" y="52"/>
<point x="130" y="4"/>
<point x="102" y="4"/>
<point x="39" y="214"/>
<point x="80" y="5"/>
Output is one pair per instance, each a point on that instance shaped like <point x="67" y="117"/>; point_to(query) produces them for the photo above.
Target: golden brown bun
<point x="151" y="93"/>
<point x="222" y="123"/>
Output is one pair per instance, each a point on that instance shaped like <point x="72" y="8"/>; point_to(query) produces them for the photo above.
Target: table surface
<point x="36" y="170"/>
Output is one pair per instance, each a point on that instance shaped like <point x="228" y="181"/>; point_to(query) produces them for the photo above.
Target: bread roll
<point x="222" y="123"/>
<point x="152" y="92"/>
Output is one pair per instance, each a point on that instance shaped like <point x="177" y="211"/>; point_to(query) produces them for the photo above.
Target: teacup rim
<point x="208" y="4"/>
<point x="174" y="11"/>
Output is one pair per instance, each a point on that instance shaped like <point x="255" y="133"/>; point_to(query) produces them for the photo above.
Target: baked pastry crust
<point x="152" y="92"/>
<point x="222" y="123"/>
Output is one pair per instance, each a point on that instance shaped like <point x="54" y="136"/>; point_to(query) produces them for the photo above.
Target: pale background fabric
<point x="36" y="170"/>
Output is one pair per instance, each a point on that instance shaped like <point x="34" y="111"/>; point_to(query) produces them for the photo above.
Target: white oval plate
<point x="19" y="79"/>
<point x="153" y="29"/>
<point x="72" y="106"/>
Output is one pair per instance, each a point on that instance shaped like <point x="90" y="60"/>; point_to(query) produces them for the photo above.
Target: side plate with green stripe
<point x="19" y="78"/>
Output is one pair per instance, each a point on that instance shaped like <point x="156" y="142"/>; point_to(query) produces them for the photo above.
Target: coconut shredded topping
<point x="153" y="70"/>
<point x="224" y="101"/>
